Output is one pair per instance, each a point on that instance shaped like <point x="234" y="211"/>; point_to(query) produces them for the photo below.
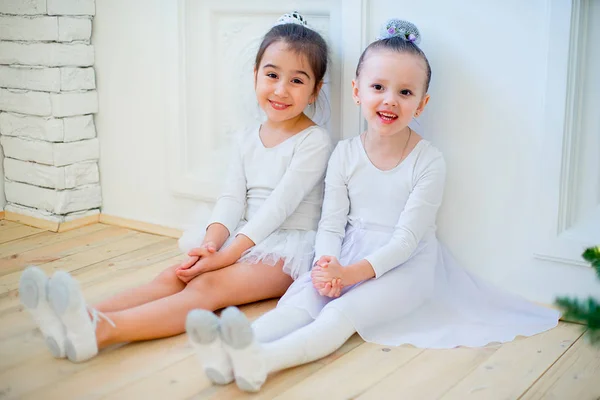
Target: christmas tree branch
<point x="585" y="311"/>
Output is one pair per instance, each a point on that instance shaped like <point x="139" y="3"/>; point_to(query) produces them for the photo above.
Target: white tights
<point x="289" y="336"/>
<point x="282" y="338"/>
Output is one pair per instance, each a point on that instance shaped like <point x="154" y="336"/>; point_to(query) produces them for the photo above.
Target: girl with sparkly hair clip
<point x="259" y="238"/>
<point x="379" y="268"/>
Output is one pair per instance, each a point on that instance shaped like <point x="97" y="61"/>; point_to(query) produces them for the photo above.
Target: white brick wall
<point x="67" y="177"/>
<point x="46" y="128"/>
<point x="79" y="128"/>
<point x="47" y="79"/>
<point x="28" y="28"/>
<point x="70" y="29"/>
<point x="28" y="150"/>
<point x="25" y="102"/>
<point x="55" y="201"/>
<point x="34" y="212"/>
<point x="48" y="54"/>
<point x="71" y="7"/>
<point x="77" y="79"/>
<point x="49" y="129"/>
<point x="73" y="152"/>
<point x="80" y="174"/>
<point x="34" y="173"/>
<point x="33" y="78"/>
<point x="57" y="154"/>
<point x="79" y="214"/>
<point x="23" y="7"/>
<point x="67" y="104"/>
<point x="47" y="98"/>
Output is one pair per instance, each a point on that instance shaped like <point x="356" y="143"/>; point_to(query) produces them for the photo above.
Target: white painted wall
<point x="137" y="94"/>
<point x="486" y="114"/>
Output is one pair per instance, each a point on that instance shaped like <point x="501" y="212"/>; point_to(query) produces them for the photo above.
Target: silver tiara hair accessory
<point x="400" y="28"/>
<point x="292" y="18"/>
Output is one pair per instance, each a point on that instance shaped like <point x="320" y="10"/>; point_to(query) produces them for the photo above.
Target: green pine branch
<point x="592" y="255"/>
<point x="585" y="311"/>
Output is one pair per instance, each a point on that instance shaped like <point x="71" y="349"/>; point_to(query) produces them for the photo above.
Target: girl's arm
<point x="225" y="217"/>
<point x="418" y="216"/>
<point x="336" y="205"/>
<point x="230" y="205"/>
<point x="306" y="169"/>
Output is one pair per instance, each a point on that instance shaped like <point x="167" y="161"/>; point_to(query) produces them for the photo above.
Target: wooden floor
<point x="554" y="365"/>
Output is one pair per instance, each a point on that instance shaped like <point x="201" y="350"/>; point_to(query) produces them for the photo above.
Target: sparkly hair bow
<point x="293" y="18"/>
<point x="400" y="28"/>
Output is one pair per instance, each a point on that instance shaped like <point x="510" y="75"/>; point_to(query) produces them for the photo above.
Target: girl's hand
<point x="188" y="263"/>
<point x="205" y="250"/>
<point x="331" y="289"/>
<point x="189" y="268"/>
<point x="186" y="275"/>
<point x="195" y="254"/>
<point x="326" y="270"/>
<point x="328" y="276"/>
<point x="208" y="263"/>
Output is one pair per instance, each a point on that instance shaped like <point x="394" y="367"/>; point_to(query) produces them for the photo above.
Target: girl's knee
<point x="168" y="277"/>
<point x="332" y="317"/>
<point x="206" y="290"/>
<point x="279" y="322"/>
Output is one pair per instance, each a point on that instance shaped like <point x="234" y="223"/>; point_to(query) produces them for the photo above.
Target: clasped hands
<point x="327" y="276"/>
<point x="201" y="259"/>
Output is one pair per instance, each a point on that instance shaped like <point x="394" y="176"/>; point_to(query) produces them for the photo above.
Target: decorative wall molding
<point x="567" y="215"/>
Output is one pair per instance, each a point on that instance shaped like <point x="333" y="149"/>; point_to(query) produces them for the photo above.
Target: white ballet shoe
<point x="243" y="350"/>
<point x="33" y="294"/>
<point x="202" y="327"/>
<point x="68" y="303"/>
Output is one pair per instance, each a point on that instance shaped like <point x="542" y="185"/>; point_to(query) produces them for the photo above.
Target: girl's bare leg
<point x="233" y="285"/>
<point x="165" y="284"/>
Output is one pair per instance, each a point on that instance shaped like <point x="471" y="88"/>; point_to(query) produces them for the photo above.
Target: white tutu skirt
<point x="428" y="301"/>
<point x="295" y="247"/>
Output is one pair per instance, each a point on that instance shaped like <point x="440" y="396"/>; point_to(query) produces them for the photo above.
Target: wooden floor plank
<point x="281" y="381"/>
<point x="43" y="368"/>
<point x="15" y="321"/>
<point x="16" y="349"/>
<point x="184" y="378"/>
<point x="17" y="232"/>
<point x="116" y="368"/>
<point x="513" y="368"/>
<point x="12" y="249"/>
<point x="576" y="375"/>
<point x="58" y="249"/>
<point x="180" y="380"/>
<point x="128" y="242"/>
<point x="106" y="260"/>
<point x="134" y="262"/>
<point x="18" y="330"/>
<point x="358" y="370"/>
<point x="108" y="371"/>
<point x="5" y="224"/>
<point x="430" y="374"/>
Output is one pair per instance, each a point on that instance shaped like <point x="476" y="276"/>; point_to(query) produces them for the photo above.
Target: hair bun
<point x="293" y="18"/>
<point x="402" y="29"/>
